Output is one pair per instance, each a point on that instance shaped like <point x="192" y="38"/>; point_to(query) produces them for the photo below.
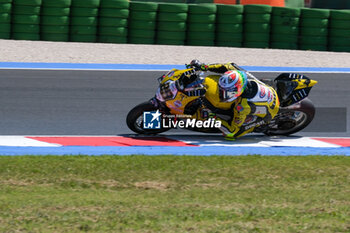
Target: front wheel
<point x="134" y="119"/>
<point x="291" y="120"/>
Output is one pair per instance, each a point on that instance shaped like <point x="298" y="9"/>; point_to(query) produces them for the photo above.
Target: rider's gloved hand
<point x="197" y="64"/>
<point x="204" y="67"/>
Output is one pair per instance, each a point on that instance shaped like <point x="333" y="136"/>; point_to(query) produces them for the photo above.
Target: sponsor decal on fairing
<point x="262" y="92"/>
<point x="178" y="104"/>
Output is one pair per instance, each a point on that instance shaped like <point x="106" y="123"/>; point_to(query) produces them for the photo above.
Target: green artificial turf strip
<point x="174" y="194"/>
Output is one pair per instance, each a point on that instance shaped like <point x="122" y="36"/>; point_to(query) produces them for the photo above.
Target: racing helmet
<point x="231" y="85"/>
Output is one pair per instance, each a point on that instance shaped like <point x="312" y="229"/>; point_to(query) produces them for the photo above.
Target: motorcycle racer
<point x="241" y="102"/>
<point x="251" y="102"/>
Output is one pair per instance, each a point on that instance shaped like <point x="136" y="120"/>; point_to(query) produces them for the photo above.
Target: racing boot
<point x="229" y="131"/>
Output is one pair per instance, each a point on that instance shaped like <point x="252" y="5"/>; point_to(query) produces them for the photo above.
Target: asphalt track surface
<point x="65" y="102"/>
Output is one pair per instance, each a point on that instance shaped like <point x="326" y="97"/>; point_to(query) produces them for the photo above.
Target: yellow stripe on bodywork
<point x="304" y="83"/>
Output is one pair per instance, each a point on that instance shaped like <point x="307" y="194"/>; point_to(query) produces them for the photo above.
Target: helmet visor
<point x="228" y="95"/>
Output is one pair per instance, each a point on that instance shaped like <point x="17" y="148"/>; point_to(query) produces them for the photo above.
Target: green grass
<point x="174" y="194"/>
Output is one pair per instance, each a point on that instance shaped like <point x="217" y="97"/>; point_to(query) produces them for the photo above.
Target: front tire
<point x="134" y="119"/>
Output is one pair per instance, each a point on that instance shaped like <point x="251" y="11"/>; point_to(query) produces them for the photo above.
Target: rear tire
<point x="307" y="111"/>
<point x="135" y="122"/>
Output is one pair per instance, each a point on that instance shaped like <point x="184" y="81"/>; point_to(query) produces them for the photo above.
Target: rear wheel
<point x="134" y="120"/>
<point x="290" y="121"/>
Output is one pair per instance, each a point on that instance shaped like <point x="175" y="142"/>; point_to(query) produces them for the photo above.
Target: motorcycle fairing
<point x="178" y="104"/>
<point x="175" y="75"/>
<point x="292" y="88"/>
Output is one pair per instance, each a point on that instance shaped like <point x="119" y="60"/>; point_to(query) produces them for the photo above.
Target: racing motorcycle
<point x="296" y="111"/>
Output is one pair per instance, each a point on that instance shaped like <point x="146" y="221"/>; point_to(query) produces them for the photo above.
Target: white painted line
<point x="299" y="142"/>
<point x="22" y="141"/>
<point x="260" y="142"/>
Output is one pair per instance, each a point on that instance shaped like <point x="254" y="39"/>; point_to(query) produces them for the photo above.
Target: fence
<point x="120" y="21"/>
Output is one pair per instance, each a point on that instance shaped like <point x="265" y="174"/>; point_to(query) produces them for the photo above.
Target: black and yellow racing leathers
<point x="257" y="105"/>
